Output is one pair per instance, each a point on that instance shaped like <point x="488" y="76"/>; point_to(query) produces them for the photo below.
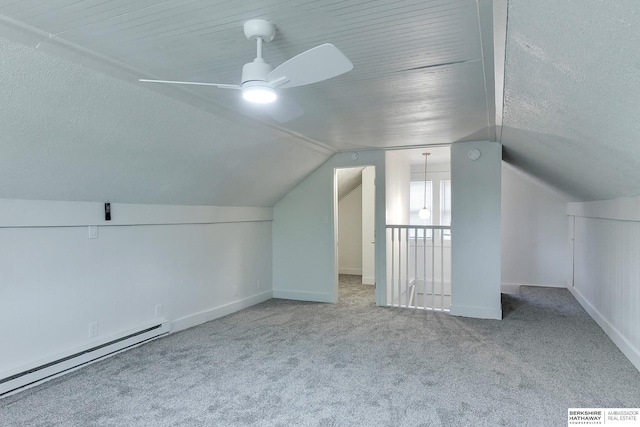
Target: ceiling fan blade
<point x="314" y="65"/>
<point x="284" y="110"/>
<point x="221" y="86"/>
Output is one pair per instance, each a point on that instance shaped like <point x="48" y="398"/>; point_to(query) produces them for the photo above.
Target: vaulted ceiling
<point x="572" y="94"/>
<point x="77" y="124"/>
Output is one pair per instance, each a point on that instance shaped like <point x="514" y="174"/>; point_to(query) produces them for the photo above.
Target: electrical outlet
<point x="158" y="310"/>
<point x="235" y="291"/>
<point x="258" y="283"/>
<point x="93" y="231"/>
<point x="93" y="329"/>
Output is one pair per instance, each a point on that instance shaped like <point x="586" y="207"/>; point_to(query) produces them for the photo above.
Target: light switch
<point x="93" y="231"/>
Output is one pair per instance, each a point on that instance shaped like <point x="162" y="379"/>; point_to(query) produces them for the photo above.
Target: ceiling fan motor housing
<point x="256" y="71"/>
<point x="259" y="28"/>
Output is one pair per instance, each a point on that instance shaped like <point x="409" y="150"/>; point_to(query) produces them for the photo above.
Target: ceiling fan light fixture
<point x="259" y="80"/>
<point x="259" y="94"/>
<point x="424" y="213"/>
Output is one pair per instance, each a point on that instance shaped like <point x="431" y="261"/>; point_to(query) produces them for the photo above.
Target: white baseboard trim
<point x="353" y="271"/>
<point x="368" y="280"/>
<point x="303" y="296"/>
<point x="510" y="288"/>
<point x="217" y="312"/>
<point x="32" y="374"/>
<point x="541" y="285"/>
<point x="476" y="312"/>
<point x="58" y="365"/>
<point x="632" y="353"/>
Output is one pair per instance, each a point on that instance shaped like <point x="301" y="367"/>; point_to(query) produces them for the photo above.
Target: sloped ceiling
<point x="348" y="180"/>
<point x="78" y="126"/>
<point x="572" y="94"/>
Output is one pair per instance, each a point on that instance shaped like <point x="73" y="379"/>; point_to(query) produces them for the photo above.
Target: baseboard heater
<point x="12" y="382"/>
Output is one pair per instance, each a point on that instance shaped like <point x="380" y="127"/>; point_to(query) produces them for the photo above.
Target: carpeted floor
<point x="288" y="363"/>
<point x="351" y="292"/>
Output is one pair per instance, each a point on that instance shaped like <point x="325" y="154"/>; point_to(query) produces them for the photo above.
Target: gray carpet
<point x="287" y="363"/>
<point x="351" y="292"/>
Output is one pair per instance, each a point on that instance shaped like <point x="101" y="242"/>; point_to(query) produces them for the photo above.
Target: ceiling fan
<point x="260" y="82"/>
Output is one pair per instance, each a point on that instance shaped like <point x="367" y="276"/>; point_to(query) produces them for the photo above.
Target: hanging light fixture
<point x="424" y="212"/>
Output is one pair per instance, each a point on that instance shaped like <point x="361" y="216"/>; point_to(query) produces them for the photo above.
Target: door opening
<point x="354" y="198"/>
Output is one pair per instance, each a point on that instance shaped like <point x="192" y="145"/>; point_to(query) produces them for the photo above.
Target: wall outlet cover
<point x="93" y="329"/>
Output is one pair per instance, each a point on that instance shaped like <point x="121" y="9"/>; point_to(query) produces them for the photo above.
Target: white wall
<point x="368" y="226"/>
<point x="475" y="229"/>
<point x="435" y="178"/>
<point x="398" y="178"/>
<point x="535" y="248"/>
<point x="350" y="233"/>
<point x="442" y="257"/>
<point x="304" y="233"/>
<point x="417" y="170"/>
<point x="438" y="273"/>
<point x="198" y="263"/>
<point x="607" y="268"/>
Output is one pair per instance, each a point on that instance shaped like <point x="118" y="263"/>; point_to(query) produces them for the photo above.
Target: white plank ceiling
<point x="391" y="98"/>
<point x="73" y="111"/>
<point x="423" y="74"/>
<point x="399" y="93"/>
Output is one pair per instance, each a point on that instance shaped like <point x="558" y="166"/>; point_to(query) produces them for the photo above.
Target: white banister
<point x="419" y="260"/>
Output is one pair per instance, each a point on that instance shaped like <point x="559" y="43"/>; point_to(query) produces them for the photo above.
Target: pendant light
<point x="424" y="212"/>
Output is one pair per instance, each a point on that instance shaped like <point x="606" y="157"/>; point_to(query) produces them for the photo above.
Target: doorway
<point x="354" y="198"/>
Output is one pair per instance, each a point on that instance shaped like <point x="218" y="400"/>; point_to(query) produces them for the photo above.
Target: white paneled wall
<point x="606" y="268"/>
<point x="607" y="274"/>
